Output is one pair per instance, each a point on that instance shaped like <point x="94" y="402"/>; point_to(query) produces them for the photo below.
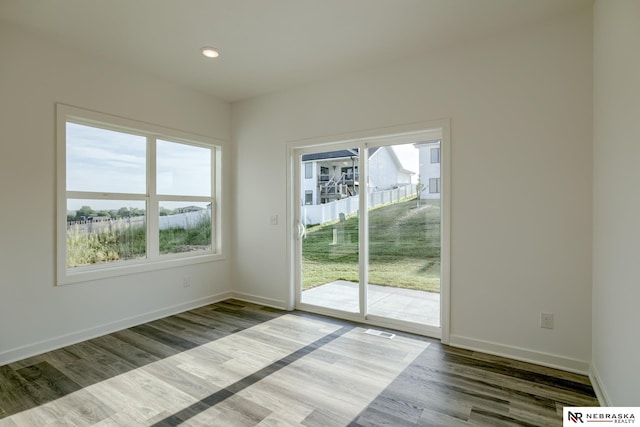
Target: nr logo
<point x="575" y="417"/>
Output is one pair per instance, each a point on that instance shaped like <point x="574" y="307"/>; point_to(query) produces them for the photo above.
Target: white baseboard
<point x="19" y="353"/>
<point x="525" y="355"/>
<point x="268" y="302"/>
<point x="601" y="393"/>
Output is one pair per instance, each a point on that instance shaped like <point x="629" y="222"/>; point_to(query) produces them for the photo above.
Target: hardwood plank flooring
<point x="240" y="364"/>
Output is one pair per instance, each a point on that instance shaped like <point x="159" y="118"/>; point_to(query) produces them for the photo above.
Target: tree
<point x="136" y="212"/>
<point x="84" y="212"/>
<point x="124" y="212"/>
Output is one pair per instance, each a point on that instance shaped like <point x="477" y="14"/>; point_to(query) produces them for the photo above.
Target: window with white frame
<point x="308" y="170"/>
<point x="434" y="185"/>
<point x="435" y="155"/>
<point x="308" y="197"/>
<point x="132" y="196"/>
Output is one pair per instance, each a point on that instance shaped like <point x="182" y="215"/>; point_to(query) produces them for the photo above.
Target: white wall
<point x="521" y="117"/>
<point x="616" y="180"/>
<point x="36" y="73"/>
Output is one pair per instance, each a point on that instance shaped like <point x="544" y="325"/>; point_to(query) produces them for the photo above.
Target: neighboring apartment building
<point x="334" y="175"/>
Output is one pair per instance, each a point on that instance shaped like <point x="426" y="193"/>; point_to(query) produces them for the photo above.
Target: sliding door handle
<point x="302" y="231"/>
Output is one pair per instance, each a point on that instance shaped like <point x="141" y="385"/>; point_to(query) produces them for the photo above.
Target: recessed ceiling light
<point x="210" y="52"/>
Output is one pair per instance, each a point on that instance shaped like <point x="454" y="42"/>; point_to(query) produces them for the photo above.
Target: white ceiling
<point x="268" y="45"/>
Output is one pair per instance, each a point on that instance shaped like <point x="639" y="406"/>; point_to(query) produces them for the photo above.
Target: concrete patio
<point x="396" y="303"/>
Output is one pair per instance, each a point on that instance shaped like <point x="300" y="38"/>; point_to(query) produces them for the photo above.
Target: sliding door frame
<point x="364" y="140"/>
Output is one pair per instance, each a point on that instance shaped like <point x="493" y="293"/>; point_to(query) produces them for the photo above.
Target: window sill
<point x="92" y="273"/>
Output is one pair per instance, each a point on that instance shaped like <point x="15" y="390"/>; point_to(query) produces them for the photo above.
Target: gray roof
<point x="339" y="154"/>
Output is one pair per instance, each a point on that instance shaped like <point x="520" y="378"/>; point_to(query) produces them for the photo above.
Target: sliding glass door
<point x="403" y="235"/>
<point x="330" y="254"/>
<point x="368" y="228"/>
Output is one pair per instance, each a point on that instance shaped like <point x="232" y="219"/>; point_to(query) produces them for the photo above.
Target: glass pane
<point x="330" y="251"/>
<point x="183" y="170"/>
<point x="435" y="155"/>
<point x="404" y="234"/>
<point x="105" y="231"/>
<point x="105" y="161"/>
<point x="185" y="227"/>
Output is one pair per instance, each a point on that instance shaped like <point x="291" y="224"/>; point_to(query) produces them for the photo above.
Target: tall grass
<point x="121" y="241"/>
<point x="116" y="242"/>
<point x="195" y="236"/>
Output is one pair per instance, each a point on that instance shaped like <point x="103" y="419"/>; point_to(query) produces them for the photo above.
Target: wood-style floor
<point x="240" y="364"/>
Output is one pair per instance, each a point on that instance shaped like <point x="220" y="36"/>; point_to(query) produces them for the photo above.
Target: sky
<point x="105" y="161"/>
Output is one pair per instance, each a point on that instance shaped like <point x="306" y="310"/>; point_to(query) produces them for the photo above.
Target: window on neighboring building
<point x="308" y="170"/>
<point x="435" y="155"/>
<point x="350" y="173"/>
<point x="324" y="173"/>
<point x="434" y="185"/>
<point x="308" y="197"/>
<point x="131" y="196"/>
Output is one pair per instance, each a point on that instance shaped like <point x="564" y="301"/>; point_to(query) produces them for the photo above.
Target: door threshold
<point x="430" y="331"/>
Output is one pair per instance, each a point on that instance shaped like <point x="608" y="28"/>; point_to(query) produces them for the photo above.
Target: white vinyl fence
<point x="318" y="214"/>
<point x="185" y="220"/>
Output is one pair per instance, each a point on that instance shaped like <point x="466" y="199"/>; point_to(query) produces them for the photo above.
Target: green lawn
<point x="404" y="246"/>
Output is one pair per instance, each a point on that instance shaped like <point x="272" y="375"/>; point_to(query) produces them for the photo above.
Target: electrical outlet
<point x="546" y="320"/>
<point x="186" y="281"/>
<point x="274" y="220"/>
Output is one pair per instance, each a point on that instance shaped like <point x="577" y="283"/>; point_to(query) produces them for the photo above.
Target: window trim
<point x="153" y="260"/>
